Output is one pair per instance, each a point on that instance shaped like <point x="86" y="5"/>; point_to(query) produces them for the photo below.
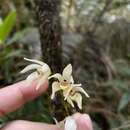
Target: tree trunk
<point x="50" y="32"/>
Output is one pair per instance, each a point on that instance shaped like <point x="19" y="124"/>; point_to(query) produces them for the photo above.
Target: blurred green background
<point x="95" y="39"/>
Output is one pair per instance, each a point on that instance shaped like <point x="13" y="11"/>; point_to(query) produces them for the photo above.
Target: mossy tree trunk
<point x="50" y="32"/>
<point x="50" y="35"/>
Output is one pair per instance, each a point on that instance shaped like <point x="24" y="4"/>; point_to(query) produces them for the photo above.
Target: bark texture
<point x="50" y="32"/>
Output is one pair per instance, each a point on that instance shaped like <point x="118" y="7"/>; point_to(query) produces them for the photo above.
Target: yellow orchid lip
<point x="64" y="87"/>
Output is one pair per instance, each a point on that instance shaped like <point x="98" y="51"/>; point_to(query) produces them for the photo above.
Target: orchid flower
<point x="64" y="80"/>
<point x="74" y="94"/>
<point x="71" y="92"/>
<point x="41" y="73"/>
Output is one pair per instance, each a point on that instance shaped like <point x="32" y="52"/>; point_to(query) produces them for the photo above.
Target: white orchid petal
<point x="67" y="92"/>
<point x="30" y="67"/>
<point x="67" y="72"/>
<point x="70" y="124"/>
<point x="79" y="89"/>
<point x="41" y="81"/>
<point x="35" y="61"/>
<point x="45" y="67"/>
<point x="70" y="102"/>
<point x="55" y="120"/>
<point x="78" y="99"/>
<point x="76" y="85"/>
<point x="48" y="73"/>
<point x="55" y="88"/>
<point x="32" y="76"/>
<point x="57" y="76"/>
<point x="72" y="80"/>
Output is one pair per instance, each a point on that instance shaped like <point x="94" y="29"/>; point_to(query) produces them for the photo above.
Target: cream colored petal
<point x="46" y="69"/>
<point x="79" y="89"/>
<point x="67" y="72"/>
<point x="66" y="92"/>
<point x="30" y="67"/>
<point x="48" y="73"/>
<point x="32" y="76"/>
<point x="78" y="99"/>
<point x="35" y="61"/>
<point x="57" y="76"/>
<point x="72" y="80"/>
<point x="70" y="102"/>
<point x="76" y="85"/>
<point x="41" y="81"/>
<point x="55" y="88"/>
<point x="70" y="123"/>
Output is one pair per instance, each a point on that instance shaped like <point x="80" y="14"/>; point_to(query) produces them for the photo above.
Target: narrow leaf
<point x="7" y="25"/>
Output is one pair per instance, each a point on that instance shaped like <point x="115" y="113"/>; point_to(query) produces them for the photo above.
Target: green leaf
<point x="125" y="99"/>
<point x="7" y="25"/>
